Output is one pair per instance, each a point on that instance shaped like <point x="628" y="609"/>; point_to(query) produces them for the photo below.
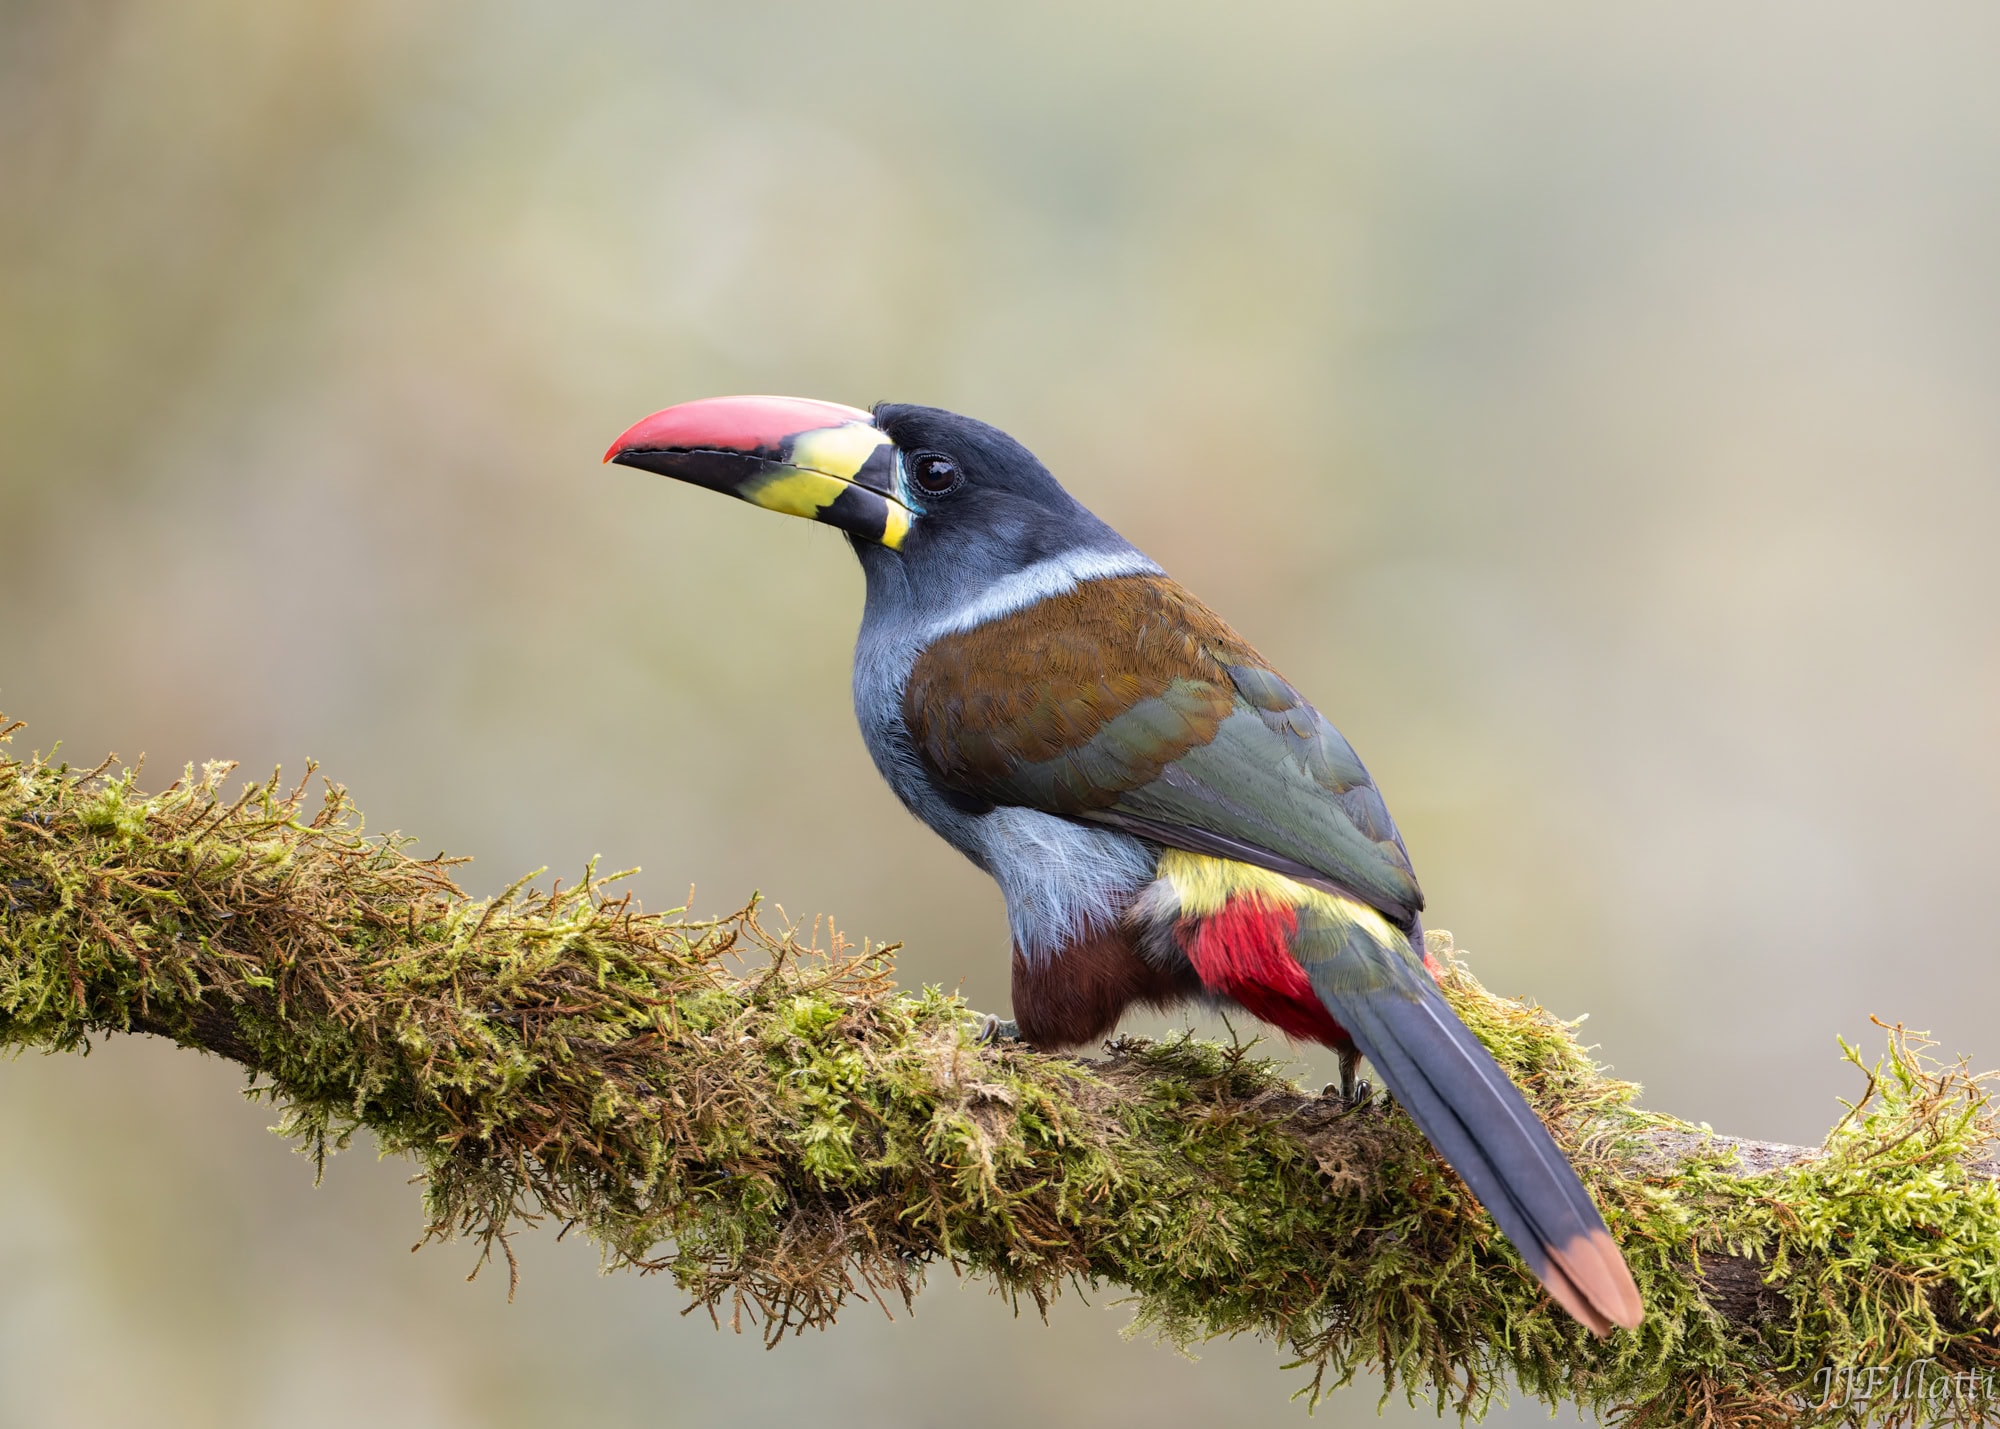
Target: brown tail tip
<point x="1588" y="1278"/>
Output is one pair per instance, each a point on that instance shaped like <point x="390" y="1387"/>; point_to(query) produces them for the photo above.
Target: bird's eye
<point x="934" y="473"/>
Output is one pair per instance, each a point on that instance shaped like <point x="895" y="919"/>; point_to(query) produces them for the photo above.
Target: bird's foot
<point x="1353" y="1091"/>
<point x="992" y="1029"/>
<point x="1354" y="1095"/>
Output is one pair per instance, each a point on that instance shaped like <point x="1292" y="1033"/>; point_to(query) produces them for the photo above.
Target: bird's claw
<point x="1350" y="1095"/>
<point x="993" y="1029"/>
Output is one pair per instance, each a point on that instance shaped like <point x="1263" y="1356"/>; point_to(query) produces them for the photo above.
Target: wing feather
<point x="1126" y="702"/>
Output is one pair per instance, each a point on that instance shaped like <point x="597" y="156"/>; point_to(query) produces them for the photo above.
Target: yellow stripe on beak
<point x="895" y="524"/>
<point x="825" y="466"/>
<point x="838" y="451"/>
<point x="794" y="491"/>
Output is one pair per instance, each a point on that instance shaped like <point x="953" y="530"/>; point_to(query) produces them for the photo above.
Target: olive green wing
<point x="1125" y="702"/>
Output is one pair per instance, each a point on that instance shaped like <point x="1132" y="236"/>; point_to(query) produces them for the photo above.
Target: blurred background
<point x="1592" y="408"/>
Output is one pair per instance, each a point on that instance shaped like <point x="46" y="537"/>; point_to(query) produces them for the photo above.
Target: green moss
<point x="781" y="1130"/>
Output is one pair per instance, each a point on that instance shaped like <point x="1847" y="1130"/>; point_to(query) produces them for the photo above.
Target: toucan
<point x="1168" y="818"/>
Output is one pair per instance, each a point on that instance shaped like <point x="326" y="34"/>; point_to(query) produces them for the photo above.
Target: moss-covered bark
<point x="782" y="1130"/>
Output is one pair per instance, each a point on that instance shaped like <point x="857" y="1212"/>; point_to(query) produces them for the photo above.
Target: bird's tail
<point x="1318" y="964"/>
<point x="1479" y="1121"/>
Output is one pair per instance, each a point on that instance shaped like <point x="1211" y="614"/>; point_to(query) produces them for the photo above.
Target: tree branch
<point x="781" y="1130"/>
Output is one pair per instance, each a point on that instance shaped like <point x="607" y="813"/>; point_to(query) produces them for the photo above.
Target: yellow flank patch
<point x="794" y="492"/>
<point x="838" y="451"/>
<point x="1203" y="884"/>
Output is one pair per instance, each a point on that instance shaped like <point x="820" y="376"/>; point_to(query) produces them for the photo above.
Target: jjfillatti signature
<point x="1923" y="1381"/>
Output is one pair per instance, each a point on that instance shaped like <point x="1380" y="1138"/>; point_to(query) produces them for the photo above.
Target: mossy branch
<point x="782" y="1131"/>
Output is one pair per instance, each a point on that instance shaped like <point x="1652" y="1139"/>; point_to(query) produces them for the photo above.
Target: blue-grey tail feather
<point x="1475" y="1116"/>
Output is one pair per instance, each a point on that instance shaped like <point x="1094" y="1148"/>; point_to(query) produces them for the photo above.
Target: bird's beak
<point x="814" y="459"/>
